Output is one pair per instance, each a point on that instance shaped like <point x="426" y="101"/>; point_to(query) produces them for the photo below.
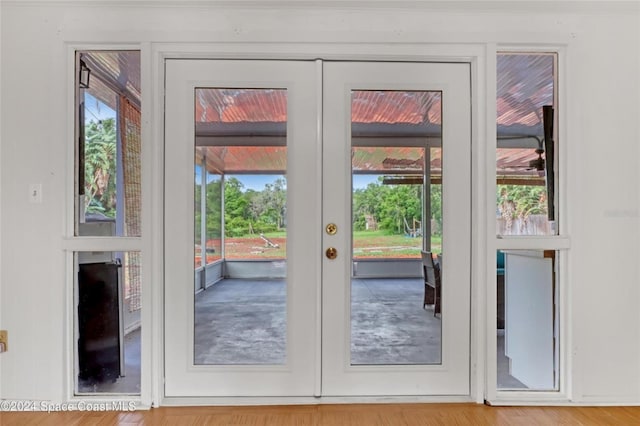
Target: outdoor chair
<point x="432" y="290"/>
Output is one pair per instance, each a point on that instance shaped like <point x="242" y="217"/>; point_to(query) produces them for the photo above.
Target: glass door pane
<point x="396" y="314"/>
<point x="240" y="165"/>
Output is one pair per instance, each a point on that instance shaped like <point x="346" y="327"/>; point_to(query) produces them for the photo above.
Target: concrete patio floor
<point x="243" y="322"/>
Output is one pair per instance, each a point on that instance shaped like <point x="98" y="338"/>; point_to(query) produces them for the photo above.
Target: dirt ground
<point x="373" y="246"/>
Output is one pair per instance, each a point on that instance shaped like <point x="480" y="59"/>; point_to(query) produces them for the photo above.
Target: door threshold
<point x="310" y="400"/>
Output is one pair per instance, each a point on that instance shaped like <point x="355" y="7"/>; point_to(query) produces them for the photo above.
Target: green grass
<point x="381" y="244"/>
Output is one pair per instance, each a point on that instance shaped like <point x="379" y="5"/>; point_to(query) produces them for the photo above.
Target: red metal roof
<point x="117" y="70"/>
<point x="524" y="85"/>
<point x="525" y="82"/>
<point x="241" y="105"/>
<point x="224" y="105"/>
<point x="240" y="159"/>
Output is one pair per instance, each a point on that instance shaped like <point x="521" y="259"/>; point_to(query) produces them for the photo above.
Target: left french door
<point x="209" y="151"/>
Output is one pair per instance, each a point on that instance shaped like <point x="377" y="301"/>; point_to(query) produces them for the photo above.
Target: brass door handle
<point x="331" y="253"/>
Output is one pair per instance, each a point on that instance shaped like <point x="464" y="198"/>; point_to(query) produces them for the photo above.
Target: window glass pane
<point x="109" y="144"/>
<point x="396" y="142"/>
<point x="527" y="323"/>
<point x="526" y="178"/>
<point x="240" y="226"/>
<point x="107" y="289"/>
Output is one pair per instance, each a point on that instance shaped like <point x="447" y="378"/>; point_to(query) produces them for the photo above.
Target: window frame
<point x="72" y="243"/>
<point x="559" y="242"/>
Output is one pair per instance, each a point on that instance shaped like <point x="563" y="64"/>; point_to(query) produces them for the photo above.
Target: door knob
<point x="331" y="253"/>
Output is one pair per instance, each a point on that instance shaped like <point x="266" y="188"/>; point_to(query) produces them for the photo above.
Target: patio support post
<point x="222" y="222"/>
<point x="120" y="197"/>
<point x="203" y="218"/>
<point x="426" y="200"/>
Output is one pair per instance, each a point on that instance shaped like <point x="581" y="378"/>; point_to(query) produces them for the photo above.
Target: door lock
<point x="331" y="253"/>
<point x="332" y="229"/>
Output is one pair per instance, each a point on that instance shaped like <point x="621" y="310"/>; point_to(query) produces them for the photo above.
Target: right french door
<point x="396" y="190"/>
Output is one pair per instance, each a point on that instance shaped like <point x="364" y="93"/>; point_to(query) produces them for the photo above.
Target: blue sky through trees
<point x="258" y="182"/>
<point x="96" y="110"/>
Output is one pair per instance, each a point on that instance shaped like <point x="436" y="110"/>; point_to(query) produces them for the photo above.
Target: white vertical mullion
<point x="75" y="199"/>
<point x="152" y="315"/>
<point x="71" y="212"/>
<point x="72" y="258"/>
<point x="490" y="290"/>
<point x="564" y="340"/>
<point x="317" y="391"/>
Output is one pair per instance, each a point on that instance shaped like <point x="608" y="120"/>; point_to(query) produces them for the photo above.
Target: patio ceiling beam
<point x="247" y="140"/>
<point x="537" y="181"/>
<point x="254" y="172"/>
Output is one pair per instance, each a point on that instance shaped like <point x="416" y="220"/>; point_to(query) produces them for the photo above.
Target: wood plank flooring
<point x="340" y="415"/>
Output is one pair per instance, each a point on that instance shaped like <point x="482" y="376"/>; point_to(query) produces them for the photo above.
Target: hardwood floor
<point x="340" y="415"/>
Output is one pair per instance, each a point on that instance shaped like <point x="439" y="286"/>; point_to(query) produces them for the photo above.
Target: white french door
<point x="196" y="94"/>
<point x="395" y="121"/>
<point x="266" y="311"/>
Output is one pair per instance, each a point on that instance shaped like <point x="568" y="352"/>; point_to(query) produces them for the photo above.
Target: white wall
<point x="602" y="112"/>
<point x="33" y="151"/>
<point x="1" y="324"/>
<point x="603" y="177"/>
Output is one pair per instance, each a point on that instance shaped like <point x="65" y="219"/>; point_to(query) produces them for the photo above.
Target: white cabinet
<point x="529" y="327"/>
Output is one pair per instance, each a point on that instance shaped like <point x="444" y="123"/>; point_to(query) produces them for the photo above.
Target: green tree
<point x="367" y="202"/>
<point x="521" y="201"/>
<point x="197" y="203"/>
<point x="401" y="203"/>
<point x="436" y="208"/>
<point x="267" y="208"/>
<point x="214" y="207"/>
<point x="275" y="196"/>
<point x="100" y="167"/>
<point x="389" y="205"/>
<point x="236" y="208"/>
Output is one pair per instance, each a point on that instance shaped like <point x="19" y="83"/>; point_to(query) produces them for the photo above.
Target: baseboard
<point x="309" y="400"/>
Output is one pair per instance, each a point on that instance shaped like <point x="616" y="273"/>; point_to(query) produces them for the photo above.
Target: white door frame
<point x="482" y="222"/>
